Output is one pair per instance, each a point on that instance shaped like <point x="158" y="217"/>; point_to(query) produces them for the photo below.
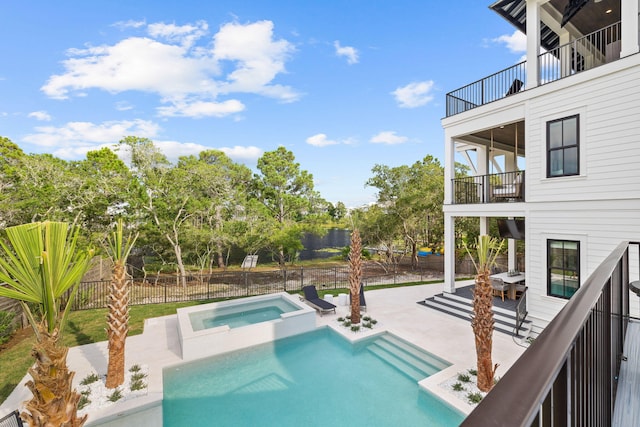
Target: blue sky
<point x="344" y="85"/>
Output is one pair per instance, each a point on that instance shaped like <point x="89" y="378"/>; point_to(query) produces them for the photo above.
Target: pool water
<point x="239" y="315"/>
<point x="316" y="378"/>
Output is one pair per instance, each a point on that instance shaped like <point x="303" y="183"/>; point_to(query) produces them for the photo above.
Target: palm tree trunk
<point x="482" y="324"/>
<point x="117" y="325"/>
<point x="355" y="274"/>
<point x="54" y="402"/>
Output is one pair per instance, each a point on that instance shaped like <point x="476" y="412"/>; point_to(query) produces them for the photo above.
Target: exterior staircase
<point x="459" y="306"/>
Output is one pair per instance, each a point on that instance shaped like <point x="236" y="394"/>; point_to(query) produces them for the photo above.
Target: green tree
<point x="42" y="268"/>
<point x="287" y="195"/>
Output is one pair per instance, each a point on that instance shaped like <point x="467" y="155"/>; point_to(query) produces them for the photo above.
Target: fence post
<point x="335" y="277"/>
<point x="246" y="281"/>
<point x="301" y="277"/>
<point x="165" y="293"/>
<point x="284" y="284"/>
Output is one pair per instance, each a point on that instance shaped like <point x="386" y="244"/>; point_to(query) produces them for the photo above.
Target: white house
<point x="553" y="142"/>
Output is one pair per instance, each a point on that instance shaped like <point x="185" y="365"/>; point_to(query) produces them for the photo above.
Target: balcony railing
<point x="568" y="376"/>
<point x="496" y="86"/>
<point x="582" y="54"/>
<point x="585" y="53"/>
<point x="493" y="188"/>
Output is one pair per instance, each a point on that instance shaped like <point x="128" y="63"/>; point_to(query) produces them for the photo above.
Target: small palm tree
<point x="42" y="268"/>
<point x="118" y="316"/>
<point x="355" y="274"/>
<point x="487" y="249"/>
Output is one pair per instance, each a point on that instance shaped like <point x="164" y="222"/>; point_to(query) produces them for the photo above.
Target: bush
<point x="464" y="378"/>
<point x="474" y="398"/>
<point x="457" y="387"/>
<point x="7" y="326"/>
<point x="90" y="379"/>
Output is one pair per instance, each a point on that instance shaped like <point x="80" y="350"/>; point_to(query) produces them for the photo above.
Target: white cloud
<point x="87" y="134"/>
<point x="123" y="106"/>
<point x="123" y="25"/>
<point x="188" y="71"/>
<point x="388" y="137"/>
<point x="349" y="52"/>
<point x="239" y="153"/>
<point x="414" y="94"/>
<point x="516" y="42"/>
<point x="199" y="109"/>
<point x="40" y="115"/>
<point x="320" y="140"/>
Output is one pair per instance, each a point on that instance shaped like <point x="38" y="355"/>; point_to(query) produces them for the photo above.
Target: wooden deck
<point x="627" y="409"/>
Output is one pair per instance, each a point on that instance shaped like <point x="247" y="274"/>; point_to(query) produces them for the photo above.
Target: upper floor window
<point x="563" y="268"/>
<point x="562" y="147"/>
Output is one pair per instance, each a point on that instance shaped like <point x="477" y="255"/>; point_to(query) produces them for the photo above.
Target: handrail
<point x="568" y="374"/>
<point x="491" y="188"/>
<point x="521" y="311"/>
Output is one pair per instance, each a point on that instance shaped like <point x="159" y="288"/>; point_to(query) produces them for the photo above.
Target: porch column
<point x="533" y="43"/>
<point x="629" y="18"/>
<point x="449" y="254"/>
<point x="511" y="257"/>
<point x="449" y="167"/>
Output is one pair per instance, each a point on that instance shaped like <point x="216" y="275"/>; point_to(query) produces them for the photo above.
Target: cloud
<point x="40" y="115"/>
<point x="516" y="42"/>
<point x="76" y="135"/>
<point x="123" y="25"/>
<point x="414" y="94"/>
<point x="349" y="52"/>
<point x="388" y="137"/>
<point x="320" y="140"/>
<point x="190" y="73"/>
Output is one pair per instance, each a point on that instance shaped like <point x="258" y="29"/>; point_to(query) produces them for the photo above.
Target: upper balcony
<point x="585" y="53"/>
<point x="565" y="37"/>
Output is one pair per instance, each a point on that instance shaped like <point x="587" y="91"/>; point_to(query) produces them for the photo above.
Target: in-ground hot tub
<point x="210" y="329"/>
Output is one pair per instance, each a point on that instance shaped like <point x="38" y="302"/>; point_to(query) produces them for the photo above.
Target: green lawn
<point x="88" y="326"/>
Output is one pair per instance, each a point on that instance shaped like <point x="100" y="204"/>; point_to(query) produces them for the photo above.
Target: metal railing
<point x="492" y="188"/>
<point x="568" y="376"/>
<point x="585" y="53"/>
<point x="497" y="86"/>
<point x="235" y="284"/>
<point x="521" y="311"/>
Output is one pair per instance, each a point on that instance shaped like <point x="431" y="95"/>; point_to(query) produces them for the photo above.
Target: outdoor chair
<point x="11" y="420"/>
<point x="312" y="299"/>
<point x="499" y="286"/>
<point x="363" y="301"/>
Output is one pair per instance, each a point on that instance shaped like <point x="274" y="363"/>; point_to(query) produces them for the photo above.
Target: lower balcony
<point x="504" y="187"/>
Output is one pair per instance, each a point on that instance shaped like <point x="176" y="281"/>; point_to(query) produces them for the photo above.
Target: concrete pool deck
<point x="396" y="311"/>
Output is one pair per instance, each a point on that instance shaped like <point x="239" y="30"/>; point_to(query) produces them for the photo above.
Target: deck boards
<point x="627" y="409"/>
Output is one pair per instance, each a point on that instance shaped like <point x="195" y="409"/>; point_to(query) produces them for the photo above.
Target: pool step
<point x="408" y="359"/>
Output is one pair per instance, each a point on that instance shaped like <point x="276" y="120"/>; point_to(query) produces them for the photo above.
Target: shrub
<point x="138" y="376"/>
<point x="355" y="328"/>
<point x="464" y="378"/>
<point x="474" y="398"/>
<point x="115" y="396"/>
<point x="457" y="387"/>
<point x="473" y="372"/>
<point x="84" y="401"/>
<point x="7" y="325"/>
<point x="135" y="368"/>
<point x="89" y="379"/>
<point x="137" y="385"/>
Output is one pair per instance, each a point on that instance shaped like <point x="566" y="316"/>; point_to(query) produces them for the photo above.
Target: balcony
<point x="584" y="53"/>
<point x="493" y="188"/>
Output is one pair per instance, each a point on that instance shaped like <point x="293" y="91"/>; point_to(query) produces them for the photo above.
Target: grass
<point x="88" y="326"/>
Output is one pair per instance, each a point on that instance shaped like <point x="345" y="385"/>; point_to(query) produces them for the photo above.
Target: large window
<point x="563" y="268"/>
<point x="562" y="147"/>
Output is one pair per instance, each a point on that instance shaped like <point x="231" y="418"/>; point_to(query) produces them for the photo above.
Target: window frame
<point x="562" y="147"/>
<point x="576" y="270"/>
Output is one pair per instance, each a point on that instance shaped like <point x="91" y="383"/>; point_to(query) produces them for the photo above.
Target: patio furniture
<point x="499" y="286"/>
<point x="508" y="191"/>
<point x="11" y="420"/>
<point x="513" y="280"/>
<point x="363" y="301"/>
<point x="311" y="298"/>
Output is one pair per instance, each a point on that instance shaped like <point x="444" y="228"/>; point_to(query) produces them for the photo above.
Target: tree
<point x="487" y="249"/>
<point x="287" y="194"/>
<point x="355" y="274"/>
<point x="42" y="268"/>
<point x="118" y="316"/>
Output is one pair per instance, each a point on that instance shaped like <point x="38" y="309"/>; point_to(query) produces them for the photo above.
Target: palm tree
<point x="355" y="274"/>
<point x="487" y="249"/>
<point x="42" y="269"/>
<point x="118" y="316"/>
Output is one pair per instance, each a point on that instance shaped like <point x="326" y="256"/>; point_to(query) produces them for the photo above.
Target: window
<point x="562" y="147"/>
<point x="563" y="268"/>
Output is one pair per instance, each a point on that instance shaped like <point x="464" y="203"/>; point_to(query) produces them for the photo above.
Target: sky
<point x="344" y="85"/>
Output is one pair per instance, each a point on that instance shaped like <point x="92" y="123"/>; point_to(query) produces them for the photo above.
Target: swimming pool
<point x="316" y="378"/>
<point x="221" y="327"/>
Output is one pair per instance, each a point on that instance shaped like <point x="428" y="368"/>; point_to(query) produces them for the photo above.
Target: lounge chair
<point x="311" y="297"/>
<point x="11" y="420"/>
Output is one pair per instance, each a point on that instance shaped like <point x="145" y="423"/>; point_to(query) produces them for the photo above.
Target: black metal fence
<point x="568" y="376"/>
<point x="234" y="284"/>
<point x="491" y="188"/>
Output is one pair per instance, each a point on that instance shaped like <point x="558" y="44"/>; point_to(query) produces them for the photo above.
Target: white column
<point x="511" y="257"/>
<point x="533" y="43"/>
<point x="449" y="167"/>
<point x="629" y="18"/>
<point x="484" y="225"/>
<point x="565" y="54"/>
<point x="449" y="254"/>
